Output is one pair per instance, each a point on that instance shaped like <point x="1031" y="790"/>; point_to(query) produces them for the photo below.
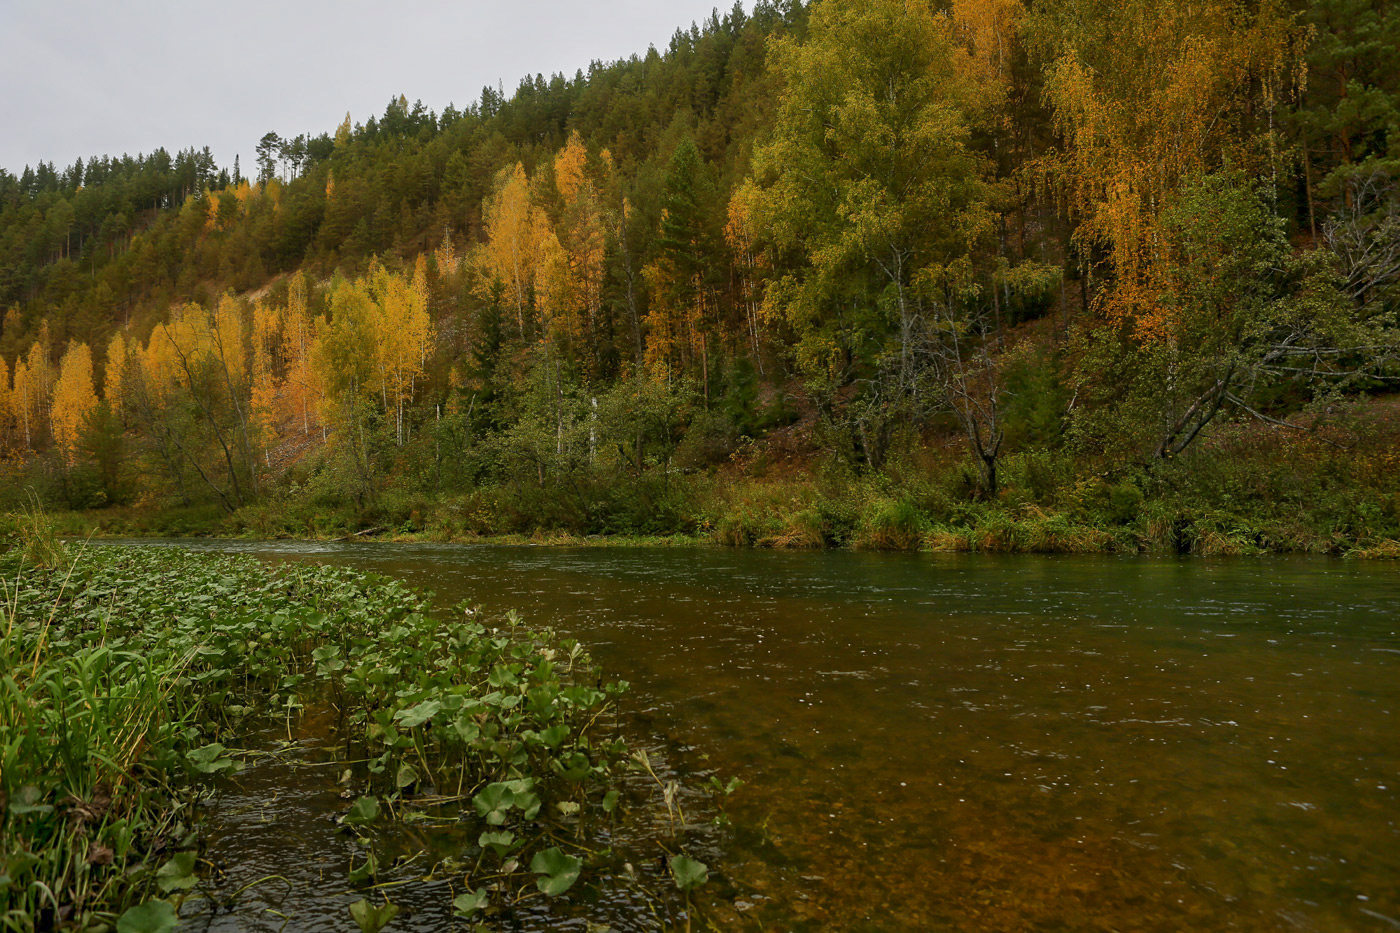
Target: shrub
<point x="891" y="525"/>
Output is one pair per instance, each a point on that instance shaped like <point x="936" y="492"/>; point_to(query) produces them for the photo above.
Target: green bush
<point x="891" y="525"/>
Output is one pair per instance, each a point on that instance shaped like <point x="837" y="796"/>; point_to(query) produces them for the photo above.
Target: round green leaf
<point x="364" y="811"/>
<point x="150" y="917"/>
<point x="558" y="871"/>
<point x="688" y="872"/>
<point x="467" y="904"/>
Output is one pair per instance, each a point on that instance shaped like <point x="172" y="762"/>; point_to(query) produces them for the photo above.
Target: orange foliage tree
<point x="1147" y="94"/>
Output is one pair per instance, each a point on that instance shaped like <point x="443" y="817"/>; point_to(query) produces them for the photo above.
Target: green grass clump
<point x="889" y="525"/>
<point x="36" y="536"/>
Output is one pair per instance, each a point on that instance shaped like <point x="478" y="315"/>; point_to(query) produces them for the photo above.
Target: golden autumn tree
<point x="41" y="375"/>
<point x="344" y="360"/>
<point x="74" y="398"/>
<point x="556" y="294"/>
<point x="375" y="344"/>
<point x="265" y="382"/>
<point x="1148" y="94"/>
<point x="6" y="404"/>
<point x="739" y="234"/>
<point x="516" y="231"/>
<point x="230" y="358"/>
<point x="29" y="402"/>
<point x="573" y="260"/>
<point x="988" y="27"/>
<point x="114" y="372"/>
<point x="402" y="333"/>
<point x="23" y="408"/>
<point x="198" y="360"/>
<point x="301" y="387"/>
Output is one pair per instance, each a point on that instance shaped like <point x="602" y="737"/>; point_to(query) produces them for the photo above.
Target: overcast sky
<point x="88" y="77"/>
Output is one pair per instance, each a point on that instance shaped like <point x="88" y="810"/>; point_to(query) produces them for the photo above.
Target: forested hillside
<point x="1056" y="275"/>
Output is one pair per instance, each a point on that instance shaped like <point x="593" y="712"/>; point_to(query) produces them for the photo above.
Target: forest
<point x="1056" y="275"/>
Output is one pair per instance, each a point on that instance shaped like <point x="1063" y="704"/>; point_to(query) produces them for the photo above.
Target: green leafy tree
<point x="1244" y="319"/>
<point x="877" y="204"/>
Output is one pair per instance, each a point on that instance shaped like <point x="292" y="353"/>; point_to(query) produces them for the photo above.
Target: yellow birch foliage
<point x="114" y="371"/>
<point x="516" y="231"/>
<point x="422" y="323"/>
<point x="576" y="289"/>
<point x="25" y="404"/>
<point x="267" y="344"/>
<point x="40" y="366"/>
<point x="158" y="359"/>
<point x="1147" y="93"/>
<point x="739" y="235"/>
<point x="7" y="413"/>
<point x="33" y="392"/>
<point x="402" y="332"/>
<point x="227" y="339"/>
<point x="377" y="341"/>
<point x="556" y="293"/>
<point x="74" y="398"/>
<point x="570" y="168"/>
<point x="189" y="339"/>
<point x="988" y="27"/>
<point x="445" y="257"/>
<point x="343" y="351"/>
<point x="301" y="385"/>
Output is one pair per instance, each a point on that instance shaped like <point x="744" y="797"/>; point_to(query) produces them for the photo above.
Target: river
<point x="971" y="742"/>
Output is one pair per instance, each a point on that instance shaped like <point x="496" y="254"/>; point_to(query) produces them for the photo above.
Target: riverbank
<point x="886" y="525"/>
<point x="1247" y="490"/>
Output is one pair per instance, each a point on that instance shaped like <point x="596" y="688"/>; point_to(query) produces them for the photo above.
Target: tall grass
<point x="86" y="737"/>
<point x="37" y="536"/>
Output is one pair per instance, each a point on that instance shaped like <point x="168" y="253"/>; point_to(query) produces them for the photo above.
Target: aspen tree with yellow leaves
<point x="199" y="359"/>
<point x="574" y="261"/>
<point x="41" y="372"/>
<point x="516" y="233"/>
<point x="7" y="406"/>
<point x="113" y="372"/>
<point x="74" y="398"/>
<point x="401" y="333"/>
<point x="267" y="340"/>
<point x="301" y="388"/>
<point x="1147" y="96"/>
<point x="23" y="404"/>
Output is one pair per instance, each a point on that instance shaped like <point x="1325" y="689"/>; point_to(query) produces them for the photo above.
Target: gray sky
<point x="88" y="77"/>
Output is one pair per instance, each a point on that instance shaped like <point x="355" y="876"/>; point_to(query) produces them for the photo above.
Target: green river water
<point x="953" y="742"/>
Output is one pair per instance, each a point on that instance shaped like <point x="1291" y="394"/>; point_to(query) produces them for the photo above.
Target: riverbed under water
<point x="972" y="742"/>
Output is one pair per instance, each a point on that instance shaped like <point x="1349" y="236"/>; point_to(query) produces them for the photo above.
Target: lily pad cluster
<point x="128" y="677"/>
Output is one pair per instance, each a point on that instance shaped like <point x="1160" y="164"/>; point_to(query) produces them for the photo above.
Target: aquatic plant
<point x="129" y="673"/>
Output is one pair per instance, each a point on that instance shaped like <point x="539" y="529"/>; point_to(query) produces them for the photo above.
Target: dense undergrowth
<point x="1248" y="491"/>
<point x="130" y="675"/>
